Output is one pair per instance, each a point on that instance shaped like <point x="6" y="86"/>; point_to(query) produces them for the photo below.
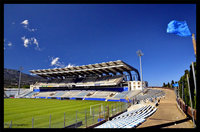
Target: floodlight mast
<point x="139" y="53"/>
<point x="20" y="69"/>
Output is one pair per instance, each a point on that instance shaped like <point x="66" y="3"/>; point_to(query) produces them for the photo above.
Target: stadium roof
<point x="95" y="69"/>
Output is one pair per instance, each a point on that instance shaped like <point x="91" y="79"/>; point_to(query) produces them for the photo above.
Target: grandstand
<point x="109" y="76"/>
<point x="108" y="81"/>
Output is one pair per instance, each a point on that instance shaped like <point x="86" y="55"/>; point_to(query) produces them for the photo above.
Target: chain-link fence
<point x="76" y="119"/>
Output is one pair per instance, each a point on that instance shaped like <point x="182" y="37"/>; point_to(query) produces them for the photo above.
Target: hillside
<point x="11" y="78"/>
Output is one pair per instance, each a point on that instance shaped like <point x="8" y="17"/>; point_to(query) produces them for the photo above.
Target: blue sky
<point x="41" y="36"/>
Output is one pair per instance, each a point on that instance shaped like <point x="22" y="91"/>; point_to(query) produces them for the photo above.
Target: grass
<point x="22" y="111"/>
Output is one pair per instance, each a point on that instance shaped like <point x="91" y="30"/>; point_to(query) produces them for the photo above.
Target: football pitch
<point x="52" y="113"/>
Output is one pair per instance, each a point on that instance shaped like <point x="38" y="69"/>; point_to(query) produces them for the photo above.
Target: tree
<point x="186" y="89"/>
<point x="183" y="83"/>
<point x="172" y="83"/>
<point x="191" y="81"/>
<point x="168" y="85"/>
<point x="164" y="85"/>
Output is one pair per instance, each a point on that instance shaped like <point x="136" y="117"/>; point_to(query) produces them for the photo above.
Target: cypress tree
<point x="172" y="82"/>
<point x="164" y="85"/>
<point x="168" y="85"/>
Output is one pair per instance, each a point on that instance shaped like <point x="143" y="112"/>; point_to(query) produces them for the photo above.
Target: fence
<point x="76" y="119"/>
<point x="186" y="109"/>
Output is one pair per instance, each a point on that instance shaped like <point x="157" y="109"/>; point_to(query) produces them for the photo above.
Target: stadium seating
<point x="102" y="94"/>
<point x="56" y="81"/>
<point x="89" y="79"/>
<point x="121" y="95"/>
<point x="125" y="96"/>
<point x="43" y="94"/>
<point x="11" y="93"/>
<point x="74" y="93"/>
<point x="82" y="94"/>
<point x="58" y="94"/>
<point x="68" y="80"/>
<point x="107" y="80"/>
<point x="150" y="95"/>
<point x="130" y="119"/>
<point x="29" y="95"/>
<point x="23" y="93"/>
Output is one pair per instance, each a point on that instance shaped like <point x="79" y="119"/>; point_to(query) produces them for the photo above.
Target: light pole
<point x="139" y="53"/>
<point x="20" y="69"/>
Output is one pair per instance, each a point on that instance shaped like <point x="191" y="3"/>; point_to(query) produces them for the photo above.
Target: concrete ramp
<point x="168" y="115"/>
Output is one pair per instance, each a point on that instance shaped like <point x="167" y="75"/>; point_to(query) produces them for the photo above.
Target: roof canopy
<point x="91" y="69"/>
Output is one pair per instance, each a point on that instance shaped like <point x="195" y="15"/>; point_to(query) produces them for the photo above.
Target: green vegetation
<point x="183" y="83"/>
<point x="169" y="85"/>
<point x="21" y="112"/>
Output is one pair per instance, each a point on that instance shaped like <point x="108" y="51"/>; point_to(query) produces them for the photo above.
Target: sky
<point x="42" y="36"/>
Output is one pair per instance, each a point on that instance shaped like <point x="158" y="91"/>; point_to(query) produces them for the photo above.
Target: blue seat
<point x="130" y="119"/>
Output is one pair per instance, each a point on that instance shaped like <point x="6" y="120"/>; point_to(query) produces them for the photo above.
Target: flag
<point x="179" y="28"/>
<point x="175" y="85"/>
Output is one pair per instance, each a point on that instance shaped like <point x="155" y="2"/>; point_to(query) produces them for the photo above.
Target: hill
<point x="11" y="78"/>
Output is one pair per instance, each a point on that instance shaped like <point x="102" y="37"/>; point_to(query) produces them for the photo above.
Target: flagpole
<point x="194" y="77"/>
<point x="194" y="43"/>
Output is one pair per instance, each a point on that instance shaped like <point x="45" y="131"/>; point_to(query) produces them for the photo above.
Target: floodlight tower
<point x="20" y="69"/>
<point x="139" y="53"/>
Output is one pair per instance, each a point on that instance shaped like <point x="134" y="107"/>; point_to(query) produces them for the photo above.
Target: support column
<point x="131" y="79"/>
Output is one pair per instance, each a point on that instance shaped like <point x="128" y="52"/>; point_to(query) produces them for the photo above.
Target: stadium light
<point x="139" y="53"/>
<point x="20" y="69"/>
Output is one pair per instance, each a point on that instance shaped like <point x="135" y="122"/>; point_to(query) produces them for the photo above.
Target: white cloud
<point x="32" y="74"/>
<point x="29" y="41"/>
<point x="69" y="65"/>
<point x="56" y="62"/>
<point x="9" y="44"/>
<point x="32" y="30"/>
<point x="35" y="41"/>
<point x="26" y="41"/>
<point x="26" y="26"/>
<point x="25" y="23"/>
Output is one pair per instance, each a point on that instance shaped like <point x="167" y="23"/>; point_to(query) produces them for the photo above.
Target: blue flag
<point x="175" y="85"/>
<point x="179" y="28"/>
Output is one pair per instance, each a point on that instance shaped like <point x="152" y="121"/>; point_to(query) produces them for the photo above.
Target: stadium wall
<point x="97" y="99"/>
<point x="114" y="100"/>
<point x="117" y="89"/>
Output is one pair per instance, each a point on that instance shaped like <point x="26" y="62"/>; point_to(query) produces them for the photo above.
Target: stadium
<point x="112" y="92"/>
